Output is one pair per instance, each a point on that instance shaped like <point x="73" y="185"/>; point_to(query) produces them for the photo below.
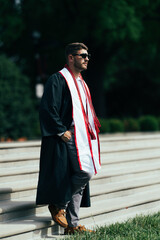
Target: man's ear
<point x="70" y="58"/>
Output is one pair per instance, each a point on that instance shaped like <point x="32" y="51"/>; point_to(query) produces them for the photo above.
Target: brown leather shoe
<point x="79" y="229"/>
<point x="58" y="215"/>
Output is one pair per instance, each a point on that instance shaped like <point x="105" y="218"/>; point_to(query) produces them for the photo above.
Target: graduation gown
<point x="54" y="184"/>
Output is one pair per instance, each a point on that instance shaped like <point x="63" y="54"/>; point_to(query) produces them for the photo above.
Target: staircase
<point x="128" y="184"/>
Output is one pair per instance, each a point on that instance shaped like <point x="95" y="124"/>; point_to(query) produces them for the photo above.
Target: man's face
<point x="81" y="63"/>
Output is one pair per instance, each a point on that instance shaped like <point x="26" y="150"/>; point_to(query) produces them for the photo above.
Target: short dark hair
<point x="72" y="48"/>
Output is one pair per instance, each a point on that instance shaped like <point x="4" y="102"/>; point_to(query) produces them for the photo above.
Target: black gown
<point x="54" y="185"/>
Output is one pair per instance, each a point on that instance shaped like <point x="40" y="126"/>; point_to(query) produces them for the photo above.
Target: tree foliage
<point x="123" y="37"/>
<point x="16" y="105"/>
<point x="11" y="23"/>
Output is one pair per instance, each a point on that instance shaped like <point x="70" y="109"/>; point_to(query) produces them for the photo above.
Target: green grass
<point x="139" y="228"/>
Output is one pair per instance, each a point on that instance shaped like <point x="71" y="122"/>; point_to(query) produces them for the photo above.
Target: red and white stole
<point x="86" y="125"/>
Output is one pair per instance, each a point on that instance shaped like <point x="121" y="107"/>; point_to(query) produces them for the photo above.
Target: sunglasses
<point x="83" y="55"/>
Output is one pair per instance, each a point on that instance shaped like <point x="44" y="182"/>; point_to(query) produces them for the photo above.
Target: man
<point x="70" y="153"/>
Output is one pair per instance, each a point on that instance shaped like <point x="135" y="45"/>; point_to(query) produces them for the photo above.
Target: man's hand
<point x="66" y="136"/>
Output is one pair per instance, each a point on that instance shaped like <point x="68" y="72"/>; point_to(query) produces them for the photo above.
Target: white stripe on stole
<point x="88" y="154"/>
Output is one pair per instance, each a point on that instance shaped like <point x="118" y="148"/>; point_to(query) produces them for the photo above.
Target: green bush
<point x="17" y="113"/>
<point x="131" y="125"/>
<point x="116" y="125"/>
<point x="158" y="119"/>
<point x="145" y="123"/>
<point x="148" y="123"/>
<point x="104" y="125"/>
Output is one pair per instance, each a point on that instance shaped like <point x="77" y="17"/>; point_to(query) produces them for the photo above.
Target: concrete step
<point x="33" y="227"/>
<point x="106" y="141"/>
<point x="20" y="163"/>
<point x="11" y="152"/>
<point x="22" y="179"/>
<point x="128" y="183"/>
<point x="13" y="190"/>
<point x="125" y="192"/>
<point x="129" y="136"/>
<point x="16" y="166"/>
<point x="103" y="205"/>
<point x="16" y="180"/>
<point x="25" y="144"/>
<point x="124" y="140"/>
<point x="10" y="194"/>
<point x="103" y="187"/>
<point x="29" y="229"/>
<point x="98" y="186"/>
<point x="128" y="146"/>
<point x="128" y="168"/>
<point x="15" y="159"/>
<point x="25" y="206"/>
<point x="106" y="158"/>
<point x="126" y="156"/>
<point x="100" y="213"/>
<point x="121" y="215"/>
<point x="21" y="159"/>
<point x="103" y="138"/>
<point x="6" y="167"/>
<point x="124" y="177"/>
<point x="30" y="168"/>
<point x="19" y="177"/>
<point x="25" y="186"/>
<point x="22" y="208"/>
<point x="18" y="170"/>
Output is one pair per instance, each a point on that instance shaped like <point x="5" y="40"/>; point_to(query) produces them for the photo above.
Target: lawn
<point x="139" y="228"/>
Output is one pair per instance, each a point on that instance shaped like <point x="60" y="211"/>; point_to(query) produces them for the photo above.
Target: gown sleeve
<point x="50" y="107"/>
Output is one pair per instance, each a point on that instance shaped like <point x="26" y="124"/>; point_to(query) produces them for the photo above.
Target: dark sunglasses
<point x="83" y="55"/>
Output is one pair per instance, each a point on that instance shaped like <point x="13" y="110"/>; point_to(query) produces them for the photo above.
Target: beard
<point x="80" y="66"/>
